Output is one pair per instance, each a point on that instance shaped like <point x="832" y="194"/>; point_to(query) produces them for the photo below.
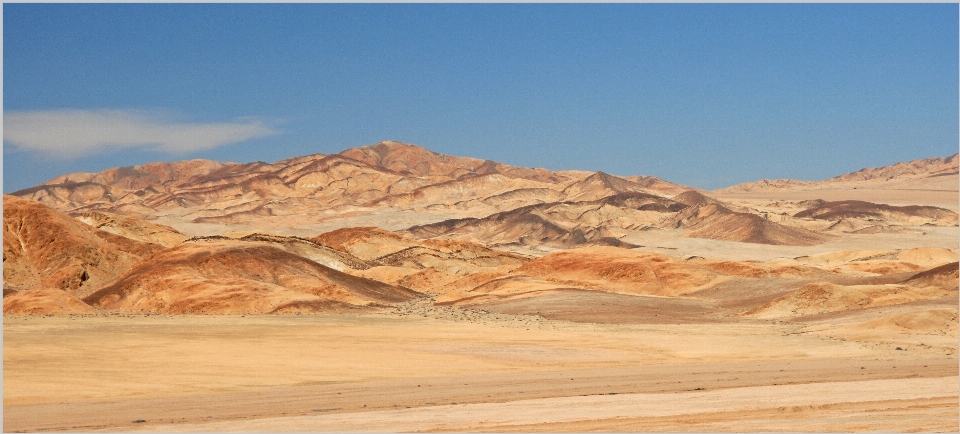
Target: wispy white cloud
<point x="74" y="133"/>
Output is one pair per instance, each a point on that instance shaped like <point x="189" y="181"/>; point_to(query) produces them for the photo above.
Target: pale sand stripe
<point x="569" y="409"/>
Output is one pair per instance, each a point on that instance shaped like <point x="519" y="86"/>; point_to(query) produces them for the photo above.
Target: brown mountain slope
<point x="132" y="228"/>
<point x="458" y="192"/>
<point x="558" y="224"/>
<point x="415" y="161"/>
<point x="367" y="243"/>
<point x="45" y="301"/>
<point x="945" y="276"/>
<point x="716" y="222"/>
<point x="657" y="185"/>
<point x="849" y="209"/>
<point x="319" y="253"/>
<point x="423" y="265"/>
<point x="76" y="190"/>
<point x="600" y="185"/>
<point x="45" y="248"/>
<point x="450" y="260"/>
<point x="231" y="276"/>
<point x="620" y="270"/>
<point x="912" y="170"/>
<point x="822" y="297"/>
<point x="298" y="191"/>
<point x="693" y="198"/>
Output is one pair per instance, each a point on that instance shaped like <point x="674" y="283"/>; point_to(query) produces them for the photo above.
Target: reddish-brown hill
<point x="44" y="301"/>
<point x="620" y="270"/>
<point x="132" y="228"/>
<point x="367" y="243"/>
<point x="916" y="169"/>
<point x="944" y="276"/>
<point x="295" y="191"/>
<point x="525" y="226"/>
<point x="558" y="224"/>
<point x="45" y="248"/>
<point x="859" y="209"/>
<point x="231" y="276"/>
<point x="716" y="222"/>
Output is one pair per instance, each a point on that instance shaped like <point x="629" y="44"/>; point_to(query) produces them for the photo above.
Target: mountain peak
<point x="407" y="159"/>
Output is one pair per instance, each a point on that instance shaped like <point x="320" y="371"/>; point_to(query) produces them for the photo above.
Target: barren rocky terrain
<point x="390" y="288"/>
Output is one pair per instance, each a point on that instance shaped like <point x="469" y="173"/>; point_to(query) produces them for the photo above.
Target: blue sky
<point x="706" y="95"/>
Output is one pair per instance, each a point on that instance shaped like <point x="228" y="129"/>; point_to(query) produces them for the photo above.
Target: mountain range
<point x="378" y="225"/>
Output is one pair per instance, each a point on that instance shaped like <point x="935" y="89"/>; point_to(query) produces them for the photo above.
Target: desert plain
<point x="390" y="288"/>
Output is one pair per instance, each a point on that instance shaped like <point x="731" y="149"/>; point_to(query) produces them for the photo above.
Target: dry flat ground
<point x="421" y="367"/>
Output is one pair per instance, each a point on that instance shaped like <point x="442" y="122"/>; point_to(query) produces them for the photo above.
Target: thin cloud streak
<point x="74" y="133"/>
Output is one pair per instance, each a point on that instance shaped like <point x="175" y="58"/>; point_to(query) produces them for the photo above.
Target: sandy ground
<point x="411" y="369"/>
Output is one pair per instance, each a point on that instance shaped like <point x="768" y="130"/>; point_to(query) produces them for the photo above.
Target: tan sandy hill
<point x="315" y="188"/>
<point x="239" y="276"/>
<point x="925" y="169"/>
<point x="466" y="192"/>
<point x="77" y="190"/>
<point x="557" y="224"/>
<point x="46" y="249"/>
<point x="886" y="261"/>
<point x="367" y="243"/>
<point x="658" y="186"/>
<point x="823" y="297"/>
<point x="44" y="301"/>
<point x="604" y="221"/>
<point x="416" y="161"/>
<point x="717" y="222"/>
<point x="612" y="270"/>
<point x="132" y="228"/>
<point x="852" y="281"/>
<point x="329" y="257"/>
<point x="450" y="256"/>
<point x="424" y="265"/>
<point x="599" y="185"/>
<point x="620" y="270"/>
<point x="855" y="209"/>
<point x="944" y="276"/>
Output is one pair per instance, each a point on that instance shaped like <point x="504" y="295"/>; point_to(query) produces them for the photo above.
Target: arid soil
<point x="390" y="288"/>
<point x="413" y="370"/>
